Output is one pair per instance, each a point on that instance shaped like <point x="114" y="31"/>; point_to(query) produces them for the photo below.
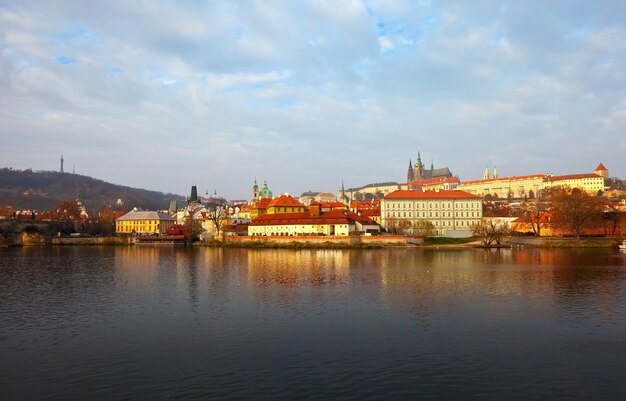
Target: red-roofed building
<point x="452" y="212"/>
<point x="260" y="208"/>
<point x="528" y="186"/>
<point x="312" y="222"/>
<point x="445" y="183"/>
<point x="285" y="204"/>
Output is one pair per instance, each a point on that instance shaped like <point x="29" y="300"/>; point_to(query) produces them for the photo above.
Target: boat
<point x="622" y="246"/>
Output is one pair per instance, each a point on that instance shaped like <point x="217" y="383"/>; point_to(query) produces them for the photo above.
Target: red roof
<point x="285" y="201"/>
<point x="330" y="217"/>
<point x="601" y="168"/>
<point x="441" y="194"/>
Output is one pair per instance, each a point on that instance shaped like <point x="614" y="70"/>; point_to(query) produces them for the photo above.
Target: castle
<point x="417" y="172"/>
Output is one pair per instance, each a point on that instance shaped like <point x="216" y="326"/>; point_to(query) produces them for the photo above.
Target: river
<point x="115" y="323"/>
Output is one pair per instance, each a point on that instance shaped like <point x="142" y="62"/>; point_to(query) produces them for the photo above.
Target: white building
<point x="452" y="213"/>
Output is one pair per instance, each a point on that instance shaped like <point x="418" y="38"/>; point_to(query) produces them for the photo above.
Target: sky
<point x="163" y="95"/>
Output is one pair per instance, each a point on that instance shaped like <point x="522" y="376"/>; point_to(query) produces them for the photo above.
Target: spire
<point x="495" y="173"/>
<point x="62" y="162"/>
<point x="419" y="163"/>
<point x="194" y="194"/>
<point x="410" y="174"/>
<point x="432" y="164"/>
<point x="486" y="174"/>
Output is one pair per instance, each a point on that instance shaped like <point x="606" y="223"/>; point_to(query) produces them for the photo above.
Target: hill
<point x="43" y="190"/>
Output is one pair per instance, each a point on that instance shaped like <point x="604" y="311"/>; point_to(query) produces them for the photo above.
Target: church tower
<point x="410" y="175"/>
<point x="419" y="167"/>
<point x="255" y="192"/>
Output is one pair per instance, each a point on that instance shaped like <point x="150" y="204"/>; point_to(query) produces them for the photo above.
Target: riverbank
<point x="561" y="242"/>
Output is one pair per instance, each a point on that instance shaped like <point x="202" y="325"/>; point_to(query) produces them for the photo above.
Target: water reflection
<point x="148" y="322"/>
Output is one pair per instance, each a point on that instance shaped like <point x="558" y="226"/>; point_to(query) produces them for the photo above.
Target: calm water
<point x="118" y="323"/>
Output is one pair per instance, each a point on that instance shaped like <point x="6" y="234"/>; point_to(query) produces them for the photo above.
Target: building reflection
<point x="295" y="268"/>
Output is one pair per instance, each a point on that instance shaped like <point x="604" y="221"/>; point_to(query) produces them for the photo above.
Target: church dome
<point x="265" y="191"/>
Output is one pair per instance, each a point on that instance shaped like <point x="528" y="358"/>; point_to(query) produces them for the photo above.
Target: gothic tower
<point x="410" y="175"/>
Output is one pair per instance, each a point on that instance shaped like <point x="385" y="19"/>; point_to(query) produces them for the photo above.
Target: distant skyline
<point x="164" y="95"/>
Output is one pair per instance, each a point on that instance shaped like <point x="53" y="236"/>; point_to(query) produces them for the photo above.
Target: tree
<point x="536" y="212"/>
<point x="368" y="197"/>
<point x="490" y="230"/>
<point x="217" y="211"/>
<point x="575" y="210"/>
<point x="193" y="228"/>
<point x="397" y="226"/>
<point x="424" y="227"/>
<point x="68" y="210"/>
<point x="611" y="218"/>
<point x="358" y="196"/>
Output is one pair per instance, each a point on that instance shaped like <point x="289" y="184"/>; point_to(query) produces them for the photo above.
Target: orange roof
<point x="285" y="201"/>
<point x="442" y="194"/>
<point x="431" y="181"/>
<point x="601" y="168"/>
<point x="263" y="203"/>
<point x="333" y="205"/>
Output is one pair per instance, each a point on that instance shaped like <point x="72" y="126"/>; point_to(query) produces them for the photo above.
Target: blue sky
<point x="166" y="94"/>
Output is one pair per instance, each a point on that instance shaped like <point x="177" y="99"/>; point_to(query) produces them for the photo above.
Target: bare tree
<point x="398" y="226"/>
<point x="490" y="230"/>
<point x="217" y="211"/>
<point x="424" y="227"/>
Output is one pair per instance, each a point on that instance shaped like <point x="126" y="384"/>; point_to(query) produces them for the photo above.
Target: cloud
<point x="164" y="94"/>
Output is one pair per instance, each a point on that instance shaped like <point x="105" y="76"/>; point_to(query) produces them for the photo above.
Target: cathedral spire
<point x="419" y="163"/>
<point x="410" y="174"/>
<point x="486" y="173"/>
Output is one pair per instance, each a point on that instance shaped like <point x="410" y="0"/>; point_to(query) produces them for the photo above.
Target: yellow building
<point x="285" y="204"/>
<point x="452" y="213"/>
<point x="531" y="185"/>
<point x="143" y="223"/>
<point x="505" y="187"/>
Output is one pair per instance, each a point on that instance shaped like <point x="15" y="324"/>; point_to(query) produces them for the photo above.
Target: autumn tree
<point x="68" y="210"/>
<point x="574" y="210"/>
<point x="611" y="219"/>
<point x="536" y="211"/>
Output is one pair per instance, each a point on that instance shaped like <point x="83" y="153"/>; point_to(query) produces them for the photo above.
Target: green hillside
<point x="43" y="190"/>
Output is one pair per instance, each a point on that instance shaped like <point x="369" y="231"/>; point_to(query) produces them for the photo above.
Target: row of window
<point x="433" y="214"/>
<point x="433" y="205"/>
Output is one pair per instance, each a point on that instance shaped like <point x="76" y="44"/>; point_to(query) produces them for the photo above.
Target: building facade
<point x="452" y="213"/>
<point x="143" y="223"/>
<point x="529" y="186"/>
<point x="312" y="222"/>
